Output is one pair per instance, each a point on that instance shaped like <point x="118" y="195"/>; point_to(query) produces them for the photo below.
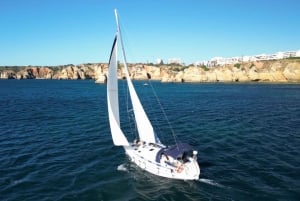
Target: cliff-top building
<point x="220" y="61"/>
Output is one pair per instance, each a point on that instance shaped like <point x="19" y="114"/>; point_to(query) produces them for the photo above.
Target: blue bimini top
<point x="176" y="151"/>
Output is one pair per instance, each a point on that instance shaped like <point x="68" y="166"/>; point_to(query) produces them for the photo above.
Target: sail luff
<point x="144" y="126"/>
<point x="118" y="137"/>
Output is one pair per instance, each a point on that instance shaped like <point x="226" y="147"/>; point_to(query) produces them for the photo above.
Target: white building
<point x="201" y="63"/>
<point x="279" y="55"/>
<point x="289" y="54"/>
<point x="220" y="61"/>
<point x="159" y="61"/>
<point x="246" y="58"/>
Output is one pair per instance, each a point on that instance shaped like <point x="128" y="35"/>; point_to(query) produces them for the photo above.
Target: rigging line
<point x="157" y="128"/>
<point x="127" y="107"/>
<point x="131" y="114"/>
<point x="165" y="115"/>
<point x="126" y="38"/>
<point x="124" y="63"/>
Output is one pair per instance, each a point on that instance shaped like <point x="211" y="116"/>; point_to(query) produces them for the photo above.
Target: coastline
<point x="275" y="71"/>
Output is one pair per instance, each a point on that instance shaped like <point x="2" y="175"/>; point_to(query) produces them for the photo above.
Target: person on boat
<point x="137" y="142"/>
<point x="179" y="167"/>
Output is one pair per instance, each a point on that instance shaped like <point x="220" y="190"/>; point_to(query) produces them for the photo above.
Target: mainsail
<point x="118" y="137"/>
<point x="145" y="129"/>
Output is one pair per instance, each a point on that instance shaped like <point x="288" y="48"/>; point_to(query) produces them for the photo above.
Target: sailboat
<point x="147" y="152"/>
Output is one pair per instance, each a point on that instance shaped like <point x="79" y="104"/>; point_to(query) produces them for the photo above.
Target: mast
<point x="144" y="126"/>
<point x="120" y="38"/>
<point x="118" y="137"/>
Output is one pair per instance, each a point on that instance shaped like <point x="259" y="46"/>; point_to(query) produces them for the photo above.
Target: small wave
<point x="16" y="182"/>
<point x="122" y="168"/>
<point x="211" y="182"/>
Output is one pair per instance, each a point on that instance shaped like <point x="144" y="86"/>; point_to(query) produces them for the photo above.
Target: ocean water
<point x="55" y="142"/>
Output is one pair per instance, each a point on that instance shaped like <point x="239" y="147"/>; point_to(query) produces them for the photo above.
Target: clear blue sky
<point x="53" y="32"/>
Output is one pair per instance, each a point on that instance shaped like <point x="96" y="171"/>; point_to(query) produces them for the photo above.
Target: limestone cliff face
<point x="100" y="73"/>
<point x="263" y="71"/>
<point x="8" y="74"/>
<point x="40" y="73"/>
<point x="27" y="73"/>
<point x="74" y="73"/>
<point x="292" y="72"/>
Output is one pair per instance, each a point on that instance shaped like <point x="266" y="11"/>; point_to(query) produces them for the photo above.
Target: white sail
<point x="145" y="129"/>
<point x="118" y="137"/>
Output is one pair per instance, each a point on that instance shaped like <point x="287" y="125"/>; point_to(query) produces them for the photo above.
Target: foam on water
<point x="211" y="182"/>
<point x="122" y="167"/>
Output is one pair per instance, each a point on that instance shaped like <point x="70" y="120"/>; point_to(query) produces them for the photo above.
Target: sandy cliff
<point x="263" y="71"/>
<point x="287" y="70"/>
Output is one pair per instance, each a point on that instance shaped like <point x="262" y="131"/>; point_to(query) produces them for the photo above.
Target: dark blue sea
<point x="55" y="142"/>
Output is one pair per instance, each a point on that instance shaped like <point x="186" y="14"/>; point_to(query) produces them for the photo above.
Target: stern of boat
<point x="192" y="170"/>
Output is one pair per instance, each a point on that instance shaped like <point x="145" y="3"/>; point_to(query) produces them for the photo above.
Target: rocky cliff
<point x="263" y="71"/>
<point x="83" y="71"/>
<point x="287" y="70"/>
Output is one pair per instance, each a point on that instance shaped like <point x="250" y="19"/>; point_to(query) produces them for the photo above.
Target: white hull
<point x="145" y="156"/>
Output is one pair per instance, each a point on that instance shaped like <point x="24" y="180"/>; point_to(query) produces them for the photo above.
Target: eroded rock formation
<point x="264" y="71"/>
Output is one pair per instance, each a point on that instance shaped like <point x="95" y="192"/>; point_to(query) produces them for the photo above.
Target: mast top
<point x="117" y="20"/>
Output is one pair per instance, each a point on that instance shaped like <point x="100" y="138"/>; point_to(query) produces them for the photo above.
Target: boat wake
<point x="122" y="167"/>
<point x="211" y="182"/>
